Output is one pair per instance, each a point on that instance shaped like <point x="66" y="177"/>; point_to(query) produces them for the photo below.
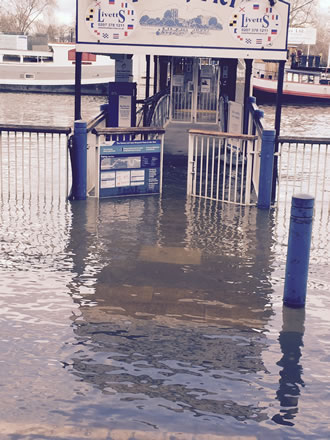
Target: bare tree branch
<point x="22" y="14"/>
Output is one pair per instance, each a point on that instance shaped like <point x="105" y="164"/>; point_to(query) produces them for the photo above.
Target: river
<point x="158" y="318"/>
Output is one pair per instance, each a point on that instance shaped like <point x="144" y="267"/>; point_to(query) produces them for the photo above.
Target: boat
<point x="309" y="84"/>
<point x="52" y="69"/>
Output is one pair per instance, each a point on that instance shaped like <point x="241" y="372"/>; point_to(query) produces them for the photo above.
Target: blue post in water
<point x="79" y="161"/>
<point x="266" y="169"/>
<point x="300" y="236"/>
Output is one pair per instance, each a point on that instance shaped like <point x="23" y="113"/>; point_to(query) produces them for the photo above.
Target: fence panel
<point x="34" y="162"/>
<point x="304" y="168"/>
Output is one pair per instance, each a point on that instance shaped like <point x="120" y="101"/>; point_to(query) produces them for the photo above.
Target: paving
<point x="177" y="137"/>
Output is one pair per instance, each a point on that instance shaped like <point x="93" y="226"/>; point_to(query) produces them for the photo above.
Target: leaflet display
<point x="130" y="168"/>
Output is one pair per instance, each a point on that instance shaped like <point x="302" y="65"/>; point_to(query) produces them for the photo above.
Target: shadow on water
<point x="174" y="296"/>
<point x="291" y="341"/>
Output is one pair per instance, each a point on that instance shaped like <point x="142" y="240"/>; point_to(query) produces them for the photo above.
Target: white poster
<point x="137" y="177"/>
<point x="123" y="178"/>
<point x="178" y="81"/>
<point x="302" y="36"/>
<point x="204" y="28"/>
<point x="205" y="85"/>
<point x="124" y="70"/>
<point x="108" y="179"/>
<point x="125" y="111"/>
<point x="235" y="117"/>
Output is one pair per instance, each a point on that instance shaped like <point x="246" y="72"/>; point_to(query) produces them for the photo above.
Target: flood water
<point x="158" y="318"/>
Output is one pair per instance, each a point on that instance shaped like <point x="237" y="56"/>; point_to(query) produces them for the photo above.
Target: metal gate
<point x="194" y="91"/>
<point x="221" y="167"/>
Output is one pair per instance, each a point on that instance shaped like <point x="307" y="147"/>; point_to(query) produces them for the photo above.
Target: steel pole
<point x="77" y="95"/>
<point x="299" y="244"/>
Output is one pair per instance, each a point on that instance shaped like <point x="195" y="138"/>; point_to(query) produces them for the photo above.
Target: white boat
<point x="53" y="70"/>
<point x="303" y="83"/>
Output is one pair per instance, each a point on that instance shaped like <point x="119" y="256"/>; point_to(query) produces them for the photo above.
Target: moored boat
<point x="300" y="83"/>
<point x="53" y="70"/>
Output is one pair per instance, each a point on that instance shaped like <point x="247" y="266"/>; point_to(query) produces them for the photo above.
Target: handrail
<point x="244" y="137"/>
<point x="130" y="130"/>
<point x="95" y="121"/>
<point x="35" y="129"/>
<point x="149" y="104"/>
<point x="303" y="140"/>
<point x="257" y="114"/>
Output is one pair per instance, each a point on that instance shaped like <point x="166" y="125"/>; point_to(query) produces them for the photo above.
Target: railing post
<point x="266" y="169"/>
<point x="300" y="235"/>
<point x="79" y="161"/>
<point x="190" y="164"/>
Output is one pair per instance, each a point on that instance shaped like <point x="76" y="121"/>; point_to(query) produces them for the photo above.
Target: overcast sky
<point x="66" y="10"/>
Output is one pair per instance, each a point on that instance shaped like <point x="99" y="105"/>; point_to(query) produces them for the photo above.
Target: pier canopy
<point x="250" y="29"/>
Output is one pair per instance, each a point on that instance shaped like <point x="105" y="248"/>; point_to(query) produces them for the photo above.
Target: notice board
<point x="130" y="168"/>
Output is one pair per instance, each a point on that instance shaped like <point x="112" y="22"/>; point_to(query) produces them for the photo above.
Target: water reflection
<point x="291" y="341"/>
<point x="172" y="324"/>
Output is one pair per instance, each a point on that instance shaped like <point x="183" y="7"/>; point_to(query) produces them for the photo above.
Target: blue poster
<point x="130" y="168"/>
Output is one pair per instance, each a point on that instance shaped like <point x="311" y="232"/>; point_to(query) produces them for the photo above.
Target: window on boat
<point x="30" y="59"/>
<point x="11" y="58"/>
<point x="29" y="76"/>
<point x="295" y="77"/>
<point x="46" y="59"/>
<point x="304" y="78"/>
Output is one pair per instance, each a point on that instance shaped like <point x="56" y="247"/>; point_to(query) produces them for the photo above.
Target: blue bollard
<point x="79" y="161"/>
<point x="266" y="169"/>
<point x="300" y="236"/>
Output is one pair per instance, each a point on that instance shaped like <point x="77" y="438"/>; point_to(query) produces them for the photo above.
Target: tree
<point x="302" y="12"/>
<point x="20" y="15"/>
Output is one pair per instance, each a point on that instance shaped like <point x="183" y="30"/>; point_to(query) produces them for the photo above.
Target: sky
<point x="66" y="10"/>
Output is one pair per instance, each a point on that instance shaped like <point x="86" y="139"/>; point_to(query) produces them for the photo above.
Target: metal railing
<point x="155" y="108"/>
<point x="161" y="114"/>
<point x="233" y="168"/>
<point x="34" y="161"/>
<point x="303" y="167"/>
<point x="220" y="166"/>
<point x="181" y="105"/>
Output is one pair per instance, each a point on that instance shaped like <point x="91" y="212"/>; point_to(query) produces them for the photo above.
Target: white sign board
<point x="205" y="85"/>
<point x="178" y="80"/>
<point x="201" y="28"/>
<point x="301" y="36"/>
<point x="235" y="123"/>
<point x="125" y="111"/>
<point x="235" y="117"/>
<point x="123" y="70"/>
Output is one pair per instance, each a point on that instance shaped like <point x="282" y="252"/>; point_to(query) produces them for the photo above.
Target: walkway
<point x="177" y="138"/>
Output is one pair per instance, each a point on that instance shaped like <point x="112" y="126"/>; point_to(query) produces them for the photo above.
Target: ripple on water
<point x="158" y="316"/>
